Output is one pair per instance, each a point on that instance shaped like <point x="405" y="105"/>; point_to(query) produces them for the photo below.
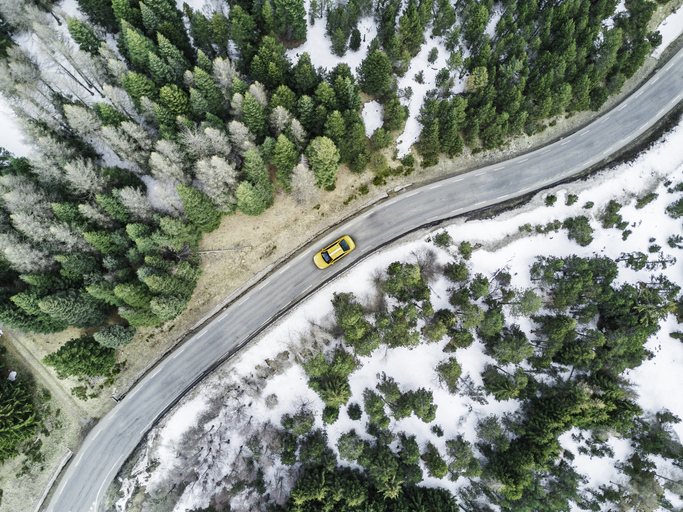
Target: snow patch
<point x="372" y="116"/>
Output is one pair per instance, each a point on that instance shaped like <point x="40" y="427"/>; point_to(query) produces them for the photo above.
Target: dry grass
<point x="246" y="247"/>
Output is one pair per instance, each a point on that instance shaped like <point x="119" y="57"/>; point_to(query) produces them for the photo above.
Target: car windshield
<point x="326" y="257"/>
<point x="344" y="245"/>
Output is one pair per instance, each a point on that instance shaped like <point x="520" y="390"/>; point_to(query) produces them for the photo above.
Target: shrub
<point x="354" y="411"/>
<point x="588" y="205"/>
<point x="645" y="200"/>
<point x="550" y="200"/>
<point x="611" y="216"/>
<point x="443" y="239"/>
<point x="579" y="230"/>
<point x="571" y="199"/>
<point x="675" y="209"/>
<point x="465" y="249"/>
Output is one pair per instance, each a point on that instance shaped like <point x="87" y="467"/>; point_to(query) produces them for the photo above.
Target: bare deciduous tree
<point x="24" y="257"/>
<point x="218" y="180"/>
<point x="279" y="119"/>
<point x="136" y="203"/>
<point x="85" y="177"/>
<point x="259" y="93"/>
<point x="241" y="137"/>
<point x="236" y="104"/>
<point x="304" y="190"/>
<point x="168" y="162"/>
<point x="224" y="72"/>
<point x="82" y="120"/>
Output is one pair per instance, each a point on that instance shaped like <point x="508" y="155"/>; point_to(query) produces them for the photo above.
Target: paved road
<point x="112" y="440"/>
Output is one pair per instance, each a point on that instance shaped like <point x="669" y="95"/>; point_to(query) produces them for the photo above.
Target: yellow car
<point x="334" y="252"/>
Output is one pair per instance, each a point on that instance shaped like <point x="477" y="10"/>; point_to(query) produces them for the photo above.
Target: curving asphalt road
<point x="83" y="484"/>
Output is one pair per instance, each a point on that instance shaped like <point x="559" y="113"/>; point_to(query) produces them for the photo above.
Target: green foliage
<point x="285" y="157"/>
<point x="115" y="336"/>
<point x="350" y="446"/>
<point x="443" y="240"/>
<point x="81" y="356"/>
<point x="78" y="309"/>
<point x="374" y="73"/>
<point x="323" y="157"/>
<point x="449" y="373"/>
<point x="330" y="378"/>
<point x="350" y="318"/>
<point x="465" y="249"/>
<point x="456" y="272"/>
<point x="404" y="282"/>
<point x="436" y="466"/>
<point x="374" y="408"/>
<point x="354" y="411"/>
<point x="199" y="208"/>
<point x="18" y="416"/>
<point x="675" y="209"/>
<point x="461" y="461"/>
<point x="579" y="230"/>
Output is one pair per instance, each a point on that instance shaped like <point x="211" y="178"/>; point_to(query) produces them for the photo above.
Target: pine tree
<point x="74" y="308"/>
<point x="429" y="144"/>
<point x="304" y="75"/>
<point x="290" y="16"/>
<point x="323" y="157"/>
<point x="174" y="99"/>
<point x="268" y="18"/>
<point x="84" y="35"/>
<point x="81" y="356"/>
<point x="285" y="157"/>
<point x="306" y="108"/>
<point x="252" y="199"/>
<point x="100" y="12"/>
<point x="162" y="73"/>
<point x="19" y="419"/>
<point x="199" y="208"/>
<point x="339" y="39"/>
<point x="138" y="47"/>
<point x="254" y="116"/>
<point x="411" y="29"/>
<point x="335" y="128"/>
<point x="174" y="57"/>
<point x="115" y="336"/>
<point x="137" y="86"/>
<point x="206" y="84"/>
<point x="374" y="74"/>
<point x="167" y="307"/>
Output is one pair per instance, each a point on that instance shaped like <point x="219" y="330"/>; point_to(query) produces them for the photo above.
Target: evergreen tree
<point x="254" y="116"/>
<point x="167" y="307"/>
<point x="323" y="156"/>
<point x="18" y="416"/>
<point x="429" y="144"/>
<point x="174" y="99"/>
<point x="81" y="356"/>
<point x="290" y="19"/>
<point x="252" y="199"/>
<point x="411" y="29"/>
<point x="304" y="75"/>
<point x="115" y="336"/>
<point x="199" y="208"/>
<point x="374" y="74"/>
<point x="285" y="157"/>
<point x="84" y="35"/>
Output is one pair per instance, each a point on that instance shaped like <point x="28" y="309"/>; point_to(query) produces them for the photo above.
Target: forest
<point x="151" y="122"/>
<point x="561" y="349"/>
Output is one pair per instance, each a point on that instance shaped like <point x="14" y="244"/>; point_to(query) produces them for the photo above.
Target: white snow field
<point x="502" y="246"/>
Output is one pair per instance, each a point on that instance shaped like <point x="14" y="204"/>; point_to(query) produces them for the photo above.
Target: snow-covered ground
<point x="502" y="246"/>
